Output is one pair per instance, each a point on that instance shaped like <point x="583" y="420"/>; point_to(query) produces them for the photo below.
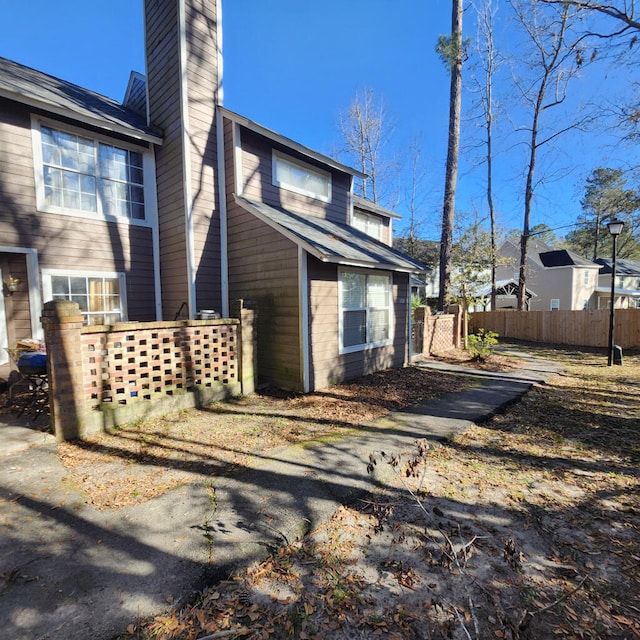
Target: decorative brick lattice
<point x="135" y="365"/>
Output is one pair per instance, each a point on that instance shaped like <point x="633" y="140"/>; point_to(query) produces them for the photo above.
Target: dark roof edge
<point x="296" y="146"/>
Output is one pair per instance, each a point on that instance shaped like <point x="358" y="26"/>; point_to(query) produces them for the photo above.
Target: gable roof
<point x="41" y="91"/>
<point x="288" y="142"/>
<point x="563" y="258"/>
<point x="624" y="267"/>
<point x="371" y="207"/>
<point x="534" y="248"/>
<point x="507" y="287"/>
<point x="330" y="241"/>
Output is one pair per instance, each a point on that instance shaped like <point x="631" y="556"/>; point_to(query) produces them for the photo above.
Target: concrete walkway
<point x="70" y="572"/>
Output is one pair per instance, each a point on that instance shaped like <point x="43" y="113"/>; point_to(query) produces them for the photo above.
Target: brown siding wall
<point x="257" y="181"/>
<point x="199" y="155"/>
<point x="202" y="83"/>
<point x="263" y="267"/>
<point x="66" y="242"/>
<point x="163" y="76"/>
<point x="328" y="366"/>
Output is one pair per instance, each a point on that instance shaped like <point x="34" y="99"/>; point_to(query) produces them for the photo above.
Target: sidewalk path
<point x="70" y="572"/>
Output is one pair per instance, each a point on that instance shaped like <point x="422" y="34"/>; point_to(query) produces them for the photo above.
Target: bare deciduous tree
<point x="489" y="62"/>
<point x="366" y="131"/>
<point x="552" y="62"/>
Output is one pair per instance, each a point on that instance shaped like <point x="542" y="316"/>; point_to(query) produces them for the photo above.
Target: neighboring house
<point x="627" y="285"/>
<point x="171" y="202"/>
<point x="556" y="278"/>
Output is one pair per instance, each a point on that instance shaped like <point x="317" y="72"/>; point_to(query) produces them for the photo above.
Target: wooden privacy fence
<point x="106" y="376"/>
<point x="589" y="328"/>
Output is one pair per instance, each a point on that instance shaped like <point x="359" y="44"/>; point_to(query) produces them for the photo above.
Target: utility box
<point x="617" y="354"/>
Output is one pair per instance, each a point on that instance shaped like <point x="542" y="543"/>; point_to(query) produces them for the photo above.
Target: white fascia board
<point x="100" y="123"/>
<point x="291" y="144"/>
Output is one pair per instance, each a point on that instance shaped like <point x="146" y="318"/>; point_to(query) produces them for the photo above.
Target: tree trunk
<point x="453" y="149"/>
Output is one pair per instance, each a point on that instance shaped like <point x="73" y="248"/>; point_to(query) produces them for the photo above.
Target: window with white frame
<point x="585" y="277"/>
<point x="300" y="177"/>
<point x="369" y="224"/>
<point x="100" y="297"/>
<point x="83" y="174"/>
<point x="365" y="310"/>
<point x="555" y="304"/>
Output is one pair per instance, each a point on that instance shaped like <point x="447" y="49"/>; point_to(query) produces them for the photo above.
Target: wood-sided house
<point x="78" y="214"/>
<point x="333" y="296"/>
<point x="169" y="201"/>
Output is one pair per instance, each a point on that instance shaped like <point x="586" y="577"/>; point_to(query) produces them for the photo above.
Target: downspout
<point x="222" y="197"/>
<point x="151" y="200"/>
<point x="222" y="179"/>
<point x="186" y="165"/>
<point x="303" y="315"/>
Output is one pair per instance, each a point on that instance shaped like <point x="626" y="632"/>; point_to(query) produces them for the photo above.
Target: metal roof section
<point x="331" y="242"/>
<point x="631" y="293"/>
<point x="53" y="95"/>
<point x="291" y="144"/>
<point x="367" y="205"/>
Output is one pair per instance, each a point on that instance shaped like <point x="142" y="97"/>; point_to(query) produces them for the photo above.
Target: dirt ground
<point x="527" y="526"/>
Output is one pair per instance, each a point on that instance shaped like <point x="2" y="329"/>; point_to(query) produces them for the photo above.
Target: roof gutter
<point x="100" y="123"/>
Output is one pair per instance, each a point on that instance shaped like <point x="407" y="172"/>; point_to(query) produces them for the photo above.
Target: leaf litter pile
<point x="527" y="526"/>
<point x="139" y="462"/>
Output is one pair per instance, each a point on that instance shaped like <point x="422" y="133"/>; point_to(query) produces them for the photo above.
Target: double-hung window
<point x="365" y="310"/>
<point x="83" y="174"/>
<point x="371" y="225"/>
<point x="100" y="297"/>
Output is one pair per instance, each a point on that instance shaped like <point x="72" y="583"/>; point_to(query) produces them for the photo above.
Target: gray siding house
<point x="556" y="278"/>
<point x="169" y="204"/>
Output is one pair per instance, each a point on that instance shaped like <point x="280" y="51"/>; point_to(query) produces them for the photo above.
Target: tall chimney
<point x="183" y="71"/>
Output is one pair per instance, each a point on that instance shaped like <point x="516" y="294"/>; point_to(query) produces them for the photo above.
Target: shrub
<point x="481" y="344"/>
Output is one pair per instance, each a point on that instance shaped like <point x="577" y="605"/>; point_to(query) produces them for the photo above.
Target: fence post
<point x="458" y="317"/>
<point x="62" y="323"/>
<point x="247" y="344"/>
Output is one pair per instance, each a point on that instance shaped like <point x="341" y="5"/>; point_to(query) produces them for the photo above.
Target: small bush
<point x="481" y="344"/>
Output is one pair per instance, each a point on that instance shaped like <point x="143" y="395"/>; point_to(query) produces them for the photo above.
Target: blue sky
<point x="294" y="66"/>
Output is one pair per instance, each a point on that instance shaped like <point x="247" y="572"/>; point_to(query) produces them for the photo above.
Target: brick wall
<point x="439" y="332"/>
<point x="103" y="377"/>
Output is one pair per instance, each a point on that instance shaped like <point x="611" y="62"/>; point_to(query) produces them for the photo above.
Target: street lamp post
<point x="615" y="229"/>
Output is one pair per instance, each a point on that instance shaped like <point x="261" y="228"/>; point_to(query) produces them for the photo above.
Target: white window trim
<point x="371" y="345"/>
<point x="48" y="294"/>
<point x="367" y="218"/>
<point x="555" y="307"/>
<point x="148" y="168"/>
<point x="277" y="156"/>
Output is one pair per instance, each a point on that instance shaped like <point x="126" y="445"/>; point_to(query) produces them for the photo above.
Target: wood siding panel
<point x="257" y="181"/>
<point x="201" y="86"/>
<point x="163" y="77"/>
<point x="328" y="365"/>
<point x="263" y="266"/>
<point x="63" y="241"/>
